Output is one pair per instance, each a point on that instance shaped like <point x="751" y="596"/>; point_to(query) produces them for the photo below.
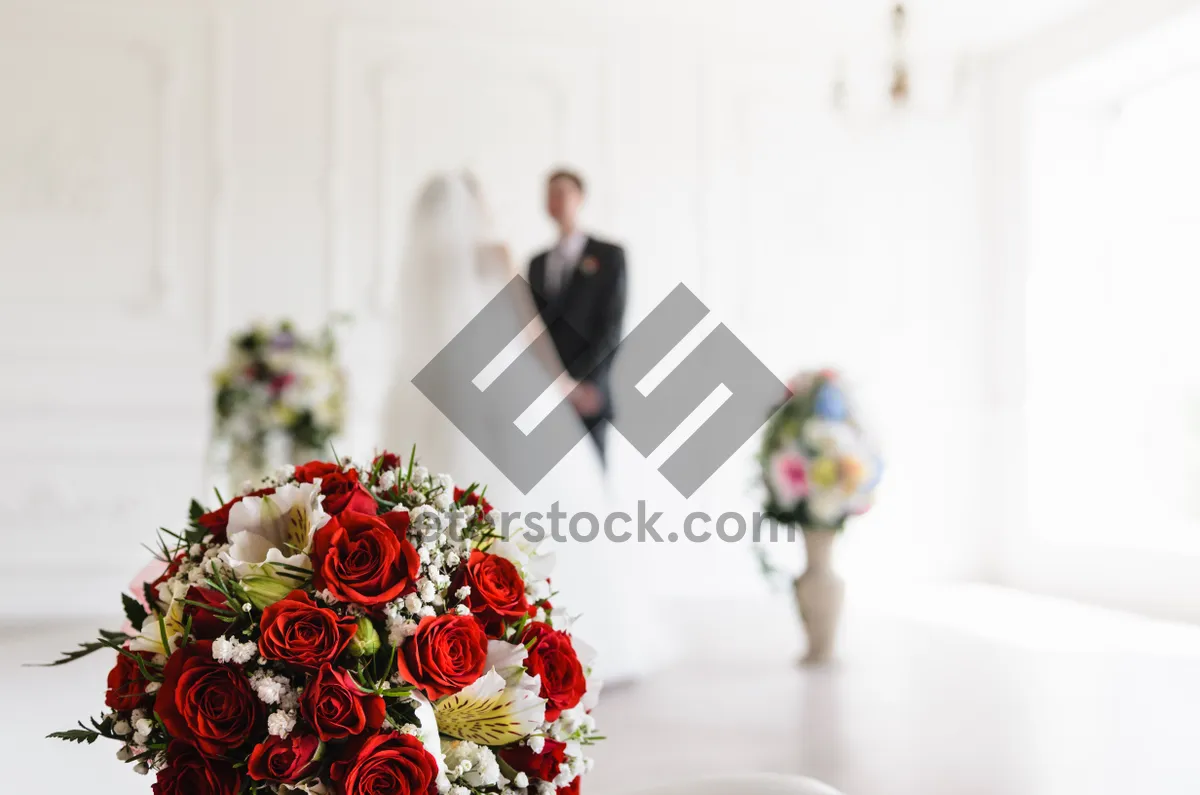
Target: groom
<point x="579" y="288"/>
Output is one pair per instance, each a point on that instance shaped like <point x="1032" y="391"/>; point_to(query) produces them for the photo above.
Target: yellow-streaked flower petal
<point x="490" y="712"/>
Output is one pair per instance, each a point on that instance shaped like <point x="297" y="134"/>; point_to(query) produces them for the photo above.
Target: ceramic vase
<point x="819" y="594"/>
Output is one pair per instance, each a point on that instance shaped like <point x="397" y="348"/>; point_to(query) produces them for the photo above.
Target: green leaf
<point x="134" y="610"/>
<point x="195" y="511"/>
<point x="403" y="713"/>
<point x="151" y="595"/>
<point x="71" y="656"/>
<point x="75" y="736"/>
<point x="83" y="734"/>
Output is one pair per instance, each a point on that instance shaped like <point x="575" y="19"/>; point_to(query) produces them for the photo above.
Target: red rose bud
<point x="287" y="761"/>
<point x="497" y="591"/>
<point x="553" y="658"/>
<point x="206" y="702"/>
<point x="189" y="772"/>
<point x="206" y="608"/>
<point x="337" y="707"/>
<point x="386" y="460"/>
<point x="544" y="765"/>
<point x="473" y="498"/>
<point x="126" y="685"/>
<point x="365" y="559"/>
<point x="297" y="631"/>
<point x="342" y="490"/>
<point x="385" y="763"/>
<point x="444" y="655"/>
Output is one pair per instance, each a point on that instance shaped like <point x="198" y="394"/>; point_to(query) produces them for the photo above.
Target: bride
<point x="453" y="266"/>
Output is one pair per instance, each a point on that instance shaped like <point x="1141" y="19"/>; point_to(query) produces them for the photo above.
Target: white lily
<point x="498" y="708"/>
<point x="275" y="528"/>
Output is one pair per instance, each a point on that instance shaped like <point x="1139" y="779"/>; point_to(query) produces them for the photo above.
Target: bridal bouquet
<point x="350" y="631"/>
<point x="817" y="465"/>
<point x="278" y="383"/>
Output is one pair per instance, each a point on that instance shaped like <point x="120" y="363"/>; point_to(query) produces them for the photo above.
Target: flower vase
<point x="819" y="594"/>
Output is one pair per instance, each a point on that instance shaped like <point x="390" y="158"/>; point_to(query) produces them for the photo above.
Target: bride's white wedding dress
<point x="451" y="269"/>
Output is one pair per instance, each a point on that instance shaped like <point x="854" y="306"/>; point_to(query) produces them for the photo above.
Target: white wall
<point x="1074" y="73"/>
<point x="168" y="171"/>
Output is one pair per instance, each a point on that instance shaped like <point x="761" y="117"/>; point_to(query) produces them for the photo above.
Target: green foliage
<point x="75" y="736"/>
<point x="403" y="712"/>
<point x="134" y="610"/>
<point x="84" y="734"/>
<point x="107" y="640"/>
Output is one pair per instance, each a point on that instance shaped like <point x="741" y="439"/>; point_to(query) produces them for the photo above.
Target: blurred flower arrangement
<point x="817" y="465"/>
<point x="280" y="386"/>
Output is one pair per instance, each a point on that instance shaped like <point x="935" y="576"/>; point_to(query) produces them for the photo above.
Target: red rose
<point x="342" y="490"/>
<point x="570" y="789"/>
<point x="444" y="655"/>
<point x="553" y="658"/>
<point x="307" y="473"/>
<point x="284" y="760"/>
<point x="296" y="631"/>
<point x="472" y="499"/>
<point x="217" y="522"/>
<point x="337" y="707"/>
<point x="385" y="460"/>
<point x="189" y="772"/>
<point x="365" y="559"/>
<point x="126" y="685"/>
<point x="207" y="702"/>
<point x="387" y="763"/>
<point x="497" y="590"/>
<point x="207" y="623"/>
<point x="544" y="765"/>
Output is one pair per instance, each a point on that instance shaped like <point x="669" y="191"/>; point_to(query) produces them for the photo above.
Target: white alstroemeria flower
<point x="584" y="651"/>
<point x="150" y="639"/>
<point x="428" y="733"/>
<point x="275" y="528"/>
<point x="523" y="553"/>
<point x="491" y="711"/>
<point x="508" y="660"/>
<point x="563" y="621"/>
<point x="587" y="655"/>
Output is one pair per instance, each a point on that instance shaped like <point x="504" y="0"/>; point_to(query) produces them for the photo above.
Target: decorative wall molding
<point x="103" y="405"/>
<point x="160" y="308"/>
<point x="64" y="198"/>
<point x="221" y="177"/>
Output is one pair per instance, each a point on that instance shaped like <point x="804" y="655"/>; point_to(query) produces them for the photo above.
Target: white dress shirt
<point x="563" y="259"/>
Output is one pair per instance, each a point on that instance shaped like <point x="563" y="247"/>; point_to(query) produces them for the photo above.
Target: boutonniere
<point x="589" y="265"/>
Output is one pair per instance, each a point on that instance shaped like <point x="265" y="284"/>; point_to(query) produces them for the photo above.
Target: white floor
<point x="940" y="691"/>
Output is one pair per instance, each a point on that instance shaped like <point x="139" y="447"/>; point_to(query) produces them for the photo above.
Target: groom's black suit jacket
<point x="584" y="317"/>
